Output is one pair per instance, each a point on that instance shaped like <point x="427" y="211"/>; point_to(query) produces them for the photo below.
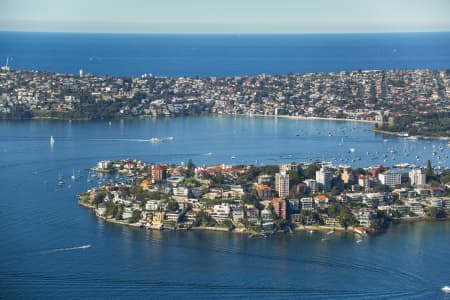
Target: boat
<point x="412" y="138"/>
<point x="446" y="289"/>
<point x="233" y="157"/>
<point x="401" y="165"/>
<point x="209" y="153"/>
<point x="85" y="246"/>
<point x="60" y="181"/>
<point x="154" y="140"/>
<point x="74" y="176"/>
<point x="351" y="150"/>
<point x="330" y="232"/>
<point x="52" y="140"/>
<point x="169" y="138"/>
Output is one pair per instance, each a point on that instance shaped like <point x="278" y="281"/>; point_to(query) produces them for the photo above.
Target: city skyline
<point x="235" y="17"/>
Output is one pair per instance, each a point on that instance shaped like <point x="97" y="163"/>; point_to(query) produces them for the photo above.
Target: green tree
<point x="436" y="213"/>
<point x="190" y="172"/>
<point x="135" y="217"/>
<point x="172" y="205"/>
<point x="346" y="217"/>
<point x="118" y="212"/>
<point x="310" y="171"/>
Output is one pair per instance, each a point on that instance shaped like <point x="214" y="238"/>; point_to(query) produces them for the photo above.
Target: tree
<point x="294" y="177"/>
<point x="118" y="213"/>
<point x="430" y="173"/>
<point x="135" y="217"/>
<point x="310" y="171"/>
<point x="436" y="213"/>
<point x="346" y="217"/>
<point x="381" y="221"/>
<point x="190" y="172"/>
<point x="172" y="205"/>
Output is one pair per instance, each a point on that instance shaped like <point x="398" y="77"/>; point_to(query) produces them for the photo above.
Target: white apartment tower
<point x="282" y="184"/>
<point x="417" y="177"/>
<point x="324" y="176"/>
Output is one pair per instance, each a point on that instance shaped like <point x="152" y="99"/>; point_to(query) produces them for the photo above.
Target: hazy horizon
<point x="231" y="17"/>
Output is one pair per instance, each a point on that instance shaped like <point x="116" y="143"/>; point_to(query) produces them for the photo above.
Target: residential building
<point x="282" y="184"/>
<point x="307" y="203"/>
<point x="321" y="201"/>
<point x="312" y="185"/>
<point x="323" y="177"/>
<point x="221" y="212"/>
<point x="159" y="173"/>
<point x="264" y="191"/>
<point x="417" y="177"/>
<point x="347" y="176"/>
<point x="294" y="205"/>
<point x="279" y="207"/>
<point x="390" y="178"/>
<point x="264" y="179"/>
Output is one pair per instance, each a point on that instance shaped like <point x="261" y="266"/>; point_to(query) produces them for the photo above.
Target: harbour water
<point x="44" y="236"/>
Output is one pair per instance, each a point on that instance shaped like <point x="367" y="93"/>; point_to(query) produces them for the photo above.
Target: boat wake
<point x="66" y="249"/>
<point x="120" y="140"/>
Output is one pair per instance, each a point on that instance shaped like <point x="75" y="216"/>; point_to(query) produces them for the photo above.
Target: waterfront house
<point x="321" y="201"/>
<point x="264" y="191"/>
<point x="307" y="203"/>
<point x="101" y="209"/>
<point x="221" y="212"/>
<point x="173" y="216"/>
<point x="127" y="213"/>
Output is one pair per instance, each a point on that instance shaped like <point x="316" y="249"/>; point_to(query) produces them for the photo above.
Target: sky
<point x="225" y="16"/>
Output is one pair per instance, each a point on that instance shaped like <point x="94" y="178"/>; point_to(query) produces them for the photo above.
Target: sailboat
<point x="75" y="177"/>
<point x="60" y="181"/>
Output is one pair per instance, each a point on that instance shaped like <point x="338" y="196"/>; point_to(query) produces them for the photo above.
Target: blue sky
<point x="225" y="16"/>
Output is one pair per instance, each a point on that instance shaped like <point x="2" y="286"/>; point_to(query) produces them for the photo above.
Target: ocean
<point x="44" y="231"/>
<point x="223" y="55"/>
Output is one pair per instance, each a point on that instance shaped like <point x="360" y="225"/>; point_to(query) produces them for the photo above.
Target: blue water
<point x="223" y="55"/>
<point x="42" y="227"/>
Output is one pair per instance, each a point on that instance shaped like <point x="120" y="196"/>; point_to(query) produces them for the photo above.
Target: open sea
<point x="43" y="230"/>
<point x="223" y="55"/>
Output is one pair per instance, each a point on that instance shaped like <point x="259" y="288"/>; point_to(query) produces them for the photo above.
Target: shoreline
<point x="399" y="134"/>
<point x="308" y="118"/>
<point x="250" y="233"/>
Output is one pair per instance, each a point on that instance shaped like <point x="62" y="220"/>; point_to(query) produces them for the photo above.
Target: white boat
<point x="401" y="165"/>
<point x="85" y="246"/>
<point x="154" y="140"/>
<point x="60" y="181"/>
<point x="446" y="289"/>
<point x="169" y="138"/>
<point x="52" y="140"/>
<point x="330" y="232"/>
<point x="412" y="138"/>
<point x="351" y="150"/>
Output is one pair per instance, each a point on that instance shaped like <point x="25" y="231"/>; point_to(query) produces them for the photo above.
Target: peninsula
<point x="266" y="199"/>
<point x="412" y="102"/>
